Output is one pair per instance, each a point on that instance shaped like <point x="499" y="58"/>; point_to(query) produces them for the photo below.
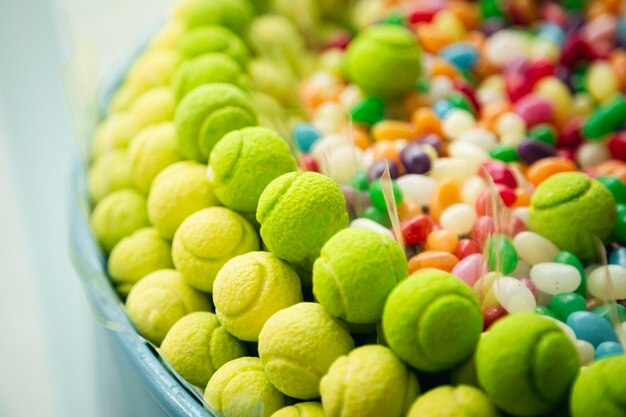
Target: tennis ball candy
<point x="306" y="409"/>
<point x="355" y="272"/>
<point x="208" y="113"/>
<point x="150" y="151"/>
<point x="235" y="15"/>
<point x="241" y="389"/>
<point x="277" y="81"/>
<point x="197" y="345"/>
<point x="432" y="320"/>
<point x="526" y="364"/>
<point x="599" y="389"/>
<point x="208" y="39"/>
<point x="137" y="255"/>
<point x="118" y="215"/>
<point x="110" y="172"/>
<point x="249" y="289"/>
<point x="168" y="37"/>
<point x="573" y="211"/>
<point x="370" y="381"/>
<point x="153" y="107"/>
<point x="114" y="133"/>
<point x="448" y="401"/>
<point x="208" y="239"/>
<point x="298" y="345"/>
<point x="244" y="162"/>
<point x="176" y="192"/>
<point x="384" y="61"/>
<point x="159" y="300"/>
<point x="298" y="213"/>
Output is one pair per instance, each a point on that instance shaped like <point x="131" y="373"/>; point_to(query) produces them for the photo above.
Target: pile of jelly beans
<point x="512" y="93"/>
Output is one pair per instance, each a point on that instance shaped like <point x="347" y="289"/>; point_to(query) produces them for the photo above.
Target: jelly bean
<point x="522" y="200"/>
<point x="502" y="254"/>
<point x="432" y="259"/>
<point x="408" y="209"/>
<point x="342" y="163"/>
<point x="617" y="146"/>
<point x="308" y="163"/>
<point x="567" y="303"/>
<point x="460" y="54"/>
<point x="440" y="88"/>
<point x="619" y="232"/>
<point x="557" y="93"/>
<point x="416" y="229"/>
<point x="386" y="149"/>
<point x="544" y="133"/>
<point x="472" y="188"/>
<point x="377" y="196"/>
<point x="453" y="168"/>
<point x="512" y="127"/>
<point x="442" y="240"/>
<point x="616" y="187"/>
<point x="598" y="278"/>
<point x="534" y="249"/>
<point x="369" y="111"/>
<point x="505" y="46"/>
<point x="531" y="151"/>
<point x="514" y="296"/>
<point x="606" y="119"/>
<point x="473" y="155"/>
<point x="456" y="122"/>
<point x="607" y="312"/>
<point x="586" y="352"/>
<point x="555" y="278"/>
<point x="426" y="122"/>
<point x="544" y="168"/>
<point x="545" y="311"/>
<point x="570" y="136"/>
<point x="483" y="228"/>
<point x="446" y="193"/>
<point x="305" y="136"/>
<point x="468" y="92"/>
<point x="479" y="137"/>
<point x="601" y="81"/>
<point x="434" y="141"/>
<point x="414" y="159"/>
<point x="393" y="129"/>
<point x="379" y="216"/>
<point x="448" y="23"/>
<point x="442" y="108"/>
<point x="356" y="200"/>
<point x="372" y="225"/>
<point x="417" y="188"/>
<point x="534" y="109"/>
<point x="459" y="218"/>
<point x="360" y="181"/>
<point x="492" y="314"/>
<point x="618" y="257"/>
<point x="551" y="32"/>
<point x="591" y="154"/>
<point x="377" y="168"/>
<point x="465" y="248"/>
<point x="608" y="349"/>
<point x="591" y="327"/>
<point x="459" y="101"/>
<point x="504" y="153"/>
<point x="500" y="173"/>
<point x="565" y="257"/>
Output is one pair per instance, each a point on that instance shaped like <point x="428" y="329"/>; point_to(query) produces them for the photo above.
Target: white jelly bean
<point x="590" y="154"/>
<point x="566" y="329"/>
<point x="472" y="188"/>
<point x="534" y="248"/>
<point x="417" y="188"/>
<point x="480" y="137"/>
<point x="363" y="223"/>
<point x="522" y="270"/>
<point x="521" y="213"/>
<point x="554" y="278"/>
<point x="506" y="45"/>
<point x="343" y="163"/>
<point x="454" y="168"/>
<point x="586" y="352"/>
<point x="459" y="218"/>
<point x="456" y="122"/>
<point x="597" y="280"/>
<point x="440" y="88"/>
<point x="473" y="155"/>
<point x="514" y="296"/>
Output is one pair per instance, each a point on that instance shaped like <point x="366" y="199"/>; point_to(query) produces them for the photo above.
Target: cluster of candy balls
<point x="376" y="208"/>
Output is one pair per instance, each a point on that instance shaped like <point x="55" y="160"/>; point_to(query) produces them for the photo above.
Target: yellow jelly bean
<point x="449" y="23"/>
<point x="557" y="93"/>
<point x="543" y="49"/>
<point x="601" y="81"/>
<point x="582" y="105"/>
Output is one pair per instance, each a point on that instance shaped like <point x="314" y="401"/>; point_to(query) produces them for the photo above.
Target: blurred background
<point x="54" y="358"/>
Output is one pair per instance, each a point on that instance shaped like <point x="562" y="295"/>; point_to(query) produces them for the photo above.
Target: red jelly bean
<point x="575" y="49"/>
<point x="466" y="247"/>
<point x="308" y="163"/>
<point x="566" y="153"/>
<point x="570" y="136"/>
<point x="539" y="70"/>
<point x="492" y="314"/>
<point x="416" y="229"/>
<point x="463" y="87"/>
<point x="517" y="86"/>
<point x="617" y="146"/>
<point x="499" y="172"/>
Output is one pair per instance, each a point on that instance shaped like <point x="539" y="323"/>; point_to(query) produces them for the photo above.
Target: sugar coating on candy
<point x="355" y="272"/>
<point x="599" y="389"/>
<point x="153" y="107"/>
<point x="118" y="215"/>
<point x="298" y="213"/>
<point x="384" y="60"/>
<point x="298" y="345"/>
<point x="241" y="389"/>
<point x="232" y="14"/>
<point x="210" y="38"/>
<point x="305" y="409"/>
<point x="113" y="133"/>
<point x="250" y="288"/>
<point x="273" y="79"/>
<point x="244" y="162"/>
<point x="526" y="364"/>
<point x="137" y="255"/>
<point x="159" y="300"/>
<point x="209" y="112"/>
<point x="150" y="151"/>
<point x="208" y="239"/>
<point x="370" y="381"/>
<point x="573" y="211"/>
<point x="432" y="320"/>
<point x="110" y="172"/>
<point x="197" y="345"/>
<point x="176" y="192"/>
<point x="448" y="401"/>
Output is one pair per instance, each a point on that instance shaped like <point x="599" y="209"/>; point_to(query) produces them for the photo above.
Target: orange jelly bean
<point x="433" y="259"/>
<point x="361" y="138"/>
<point x="618" y="63"/>
<point x="441" y="67"/>
<point x="442" y="240"/>
<point x="386" y="149"/>
<point x="432" y="39"/>
<point x="426" y="121"/>
<point x="408" y="209"/>
<point x="522" y="198"/>
<point x="446" y="193"/>
<point x="544" y="168"/>
<point x="466" y="12"/>
<point x="393" y="129"/>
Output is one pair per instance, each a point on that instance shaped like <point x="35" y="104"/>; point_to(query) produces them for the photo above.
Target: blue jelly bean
<point x="618" y="257"/>
<point x="461" y="55"/>
<point x="607" y="349"/>
<point x="442" y="107"/>
<point x="621" y="30"/>
<point x="305" y="136"/>
<point x="591" y="327"/>
<point x="552" y="32"/>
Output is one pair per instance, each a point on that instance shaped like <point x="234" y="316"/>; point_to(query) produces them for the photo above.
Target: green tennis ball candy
<point x="370" y="381"/>
<point x="235" y="15"/>
<point x="279" y="82"/>
<point x="298" y="213"/>
<point x="208" y="113"/>
<point x="114" y="133"/>
<point x="384" y="61"/>
<point x="306" y="409"/>
<point x="249" y="289"/>
<point x="241" y="389"/>
<point x="137" y="255"/>
<point x="212" y="39"/>
<point x="197" y="345"/>
<point x="168" y="37"/>
<point x="153" y="107"/>
<point x="432" y="320"/>
<point x="447" y="401"/>
<point x="356" y="271"/>
<point x="298" y="345"/>
<point x="118" y="215"/>
<point x="208" y="239"/>
<point x="110" y="172"/>
<point x="599" y="389"/>
<point x="526" y="364"/>
<point x="152" y="150"/>
<point x="159" y="300"/>
<point x="573" y="211"/>
<point x="244" y="162"/>
<point x="176" y="192"/>
<point x="206" y="69"/>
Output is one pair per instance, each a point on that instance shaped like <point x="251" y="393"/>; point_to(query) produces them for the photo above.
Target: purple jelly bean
<point x="375" y="171"/>
<point x="530" y="151"/>
<point x="415" y="159"/>
<point x="491" y="26"/>
<point x="534" y="110"/>
<point x="432" y="140"/>
<point x="356" y="200"/>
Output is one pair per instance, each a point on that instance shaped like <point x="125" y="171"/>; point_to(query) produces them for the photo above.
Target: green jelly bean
<point x="604" y="312"/>
<point x="502" y="254"/>
<point x="459" y="101"/>
<point x="606" y="119"/>
<point x="616" y="187"/>
<point x="394" y="18"/>
<point x="565" y="257"/>
<point x="544" y="133"/>
<point x="574" y="5"/>
<point x="359" y="181"/>
<point x="491" y="9"/>
<point x="422" y="85"/>
<point x="545" y="311"/>
<point x="619" y="233"/>
<point x="504" y="153"/>
<point x="378" y="197"/>
<point x="380" y="217"/>
<point x="370" y="111"/>
<point x="567" y="303"/>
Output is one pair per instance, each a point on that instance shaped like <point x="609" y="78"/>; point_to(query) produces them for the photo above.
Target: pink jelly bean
<point x="554" y="13"/>
<point x="534" y="110"/>
<point x="566" y="154"/>
<point x="483" y="204"/>
<point x="499" y="172"/>
<point x="617" y="146"/>
<point x="483" y="228"/>
<point x="515" y="225"/>
<point x="465" y="248"/>
<point x="539" y="70"/>
<point x="517" y="86"/>
<point x="470" y="269"/>
<point x="531" y="286"/>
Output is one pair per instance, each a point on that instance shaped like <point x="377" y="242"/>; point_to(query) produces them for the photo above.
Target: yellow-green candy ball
<point x="275" y="80"/>
<point x="208" y="239"/>
<point x="208" y="39"/>
<point x="136" y="256"/>
<point x="249" y="289"/>
<point x="150" y="151"/>
<point x="232" y="14"/>
<point x="168" y="37"/>
<point x="244" y="162"/>
<point x="197" y="345"/>
<point x="298" y="345"/>
<point x="369" y="382"/>
<point x="114" y="133"/>
<point x="118" y="215"/>
<point x="447" y="401"/>
<point x="306" y="409"/>
<point x="176" y="192"/>
<point x="599" y="389"/>
<point x="241" y="389"/>
<point x="110" y="172"/>
<point x="159" y="300"/>
<point x="153" y="107"/>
